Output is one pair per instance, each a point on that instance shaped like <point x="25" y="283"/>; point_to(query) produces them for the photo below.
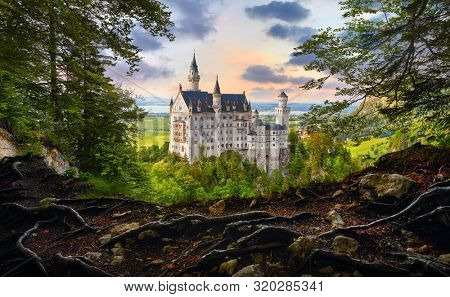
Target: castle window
<point x="273" y="144"/>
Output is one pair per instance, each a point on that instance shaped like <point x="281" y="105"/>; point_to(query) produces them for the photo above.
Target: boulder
<point x="228" y="267"/>
<point x="217" y="208"/>
<point x="378" y="186"/>
<point x="122" y="228"/>
<point x="54" y="159"/>
<point x="8" y="147"/>
<point x="302" y="247"/>
<point x="335" y="219"/>
<point x="345" y="245"/>
<point x="250" y="271"/>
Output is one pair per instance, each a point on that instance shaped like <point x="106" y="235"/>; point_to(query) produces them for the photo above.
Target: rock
<point x="326" y="270"/>
<point x="157" y="262"/>
<point x="48" y="201"/>
<point x="122" y="228"/>
<point x="228" y="267"/>
<point x="168" y="249"/>
<point x="444" y="258"/>
<point x="249" y="271"/>
<point x="253" y="203"/>
<point x="337" y="193"/>
<point x="439" y="177"/>
<point x="257" y="258"/>
<point x="93" y="256"/>
<point x="335" y="218"/>
<point x="302" y="247"/>
<point x="105" y="239"/>
<point x="121" y="214"/>
<point x="377" y="186"/>
<point x="356" y="273"/>
<point x="117" y="249"/>
<point x="217" y="208"/>
<point x="345" y="245"/>
<point x="54" y="159"/>
<point x="412" y="240"/>
<point x="148" y="234"/>
<point x="8" y="147"/>
<point x="424" y="248"/>
<point x="117" y="260"/>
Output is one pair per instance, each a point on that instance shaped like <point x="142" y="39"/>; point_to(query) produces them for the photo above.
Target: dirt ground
<point x="45" y="229"/>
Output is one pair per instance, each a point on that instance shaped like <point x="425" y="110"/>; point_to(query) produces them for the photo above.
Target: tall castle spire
<point x="217" y="97"/>
<point x="217" y="87"/>
<point x="194" y="76"/>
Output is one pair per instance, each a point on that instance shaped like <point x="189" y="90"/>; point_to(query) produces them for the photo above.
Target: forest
<point x="126" y="210"/>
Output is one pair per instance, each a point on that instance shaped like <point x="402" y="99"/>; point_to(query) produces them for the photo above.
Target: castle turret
<point x="255" y="118"/>
<point x="282" y="111"/>
<point x="194" y="76"/>
<point x="217" y="97"/>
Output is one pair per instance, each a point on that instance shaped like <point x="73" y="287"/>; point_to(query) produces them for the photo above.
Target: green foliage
<point x="53" y="87"/>
<point x="319" y="158"/>
<point x="393" y="52"/>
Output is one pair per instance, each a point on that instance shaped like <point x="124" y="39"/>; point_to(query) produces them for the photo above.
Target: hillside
<point x="391" y="219"/>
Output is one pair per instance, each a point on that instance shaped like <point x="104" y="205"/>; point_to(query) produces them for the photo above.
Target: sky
<point x="248" y="44"/>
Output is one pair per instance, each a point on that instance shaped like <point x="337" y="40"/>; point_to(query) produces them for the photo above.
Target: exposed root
<point x="49" y="211"/>
<point x="192" y="222"/>
<point x="323" y="258"/>
<point x="433" y="193"/>
<point x="423" y="265"/>
<point x="71" y="266"/>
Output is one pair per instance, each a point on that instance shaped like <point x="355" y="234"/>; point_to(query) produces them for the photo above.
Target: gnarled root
<point x="72" y="266"/>
<point x="341" y="262"/>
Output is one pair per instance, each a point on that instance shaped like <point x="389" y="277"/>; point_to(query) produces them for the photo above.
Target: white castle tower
<point x="194" y="76"/>
<point x="282" y="111"/>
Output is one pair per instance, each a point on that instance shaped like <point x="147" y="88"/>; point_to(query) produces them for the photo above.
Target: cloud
<point x="264" y="74"/>
<point x="286" y="11"/>
<point x="144" y="40"/>
<point x="301" y="60"/>
<point x="146" y="72"/>
<point x="294" y="33"/>
<point x="194" y="18"/>
<point x="270" y="93"/>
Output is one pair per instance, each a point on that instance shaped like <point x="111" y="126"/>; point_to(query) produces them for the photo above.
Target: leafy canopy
<point x="391" y="51"/>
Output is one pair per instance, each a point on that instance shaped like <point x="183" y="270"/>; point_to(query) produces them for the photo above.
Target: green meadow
<point x="374" y="147"/>
<point x="153" y="131"/>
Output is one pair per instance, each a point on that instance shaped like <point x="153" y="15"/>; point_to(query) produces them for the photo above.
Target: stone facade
<point x="212" y="123"/>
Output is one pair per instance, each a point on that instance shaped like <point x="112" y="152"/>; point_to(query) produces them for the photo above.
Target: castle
<point x="217" y="122"/>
